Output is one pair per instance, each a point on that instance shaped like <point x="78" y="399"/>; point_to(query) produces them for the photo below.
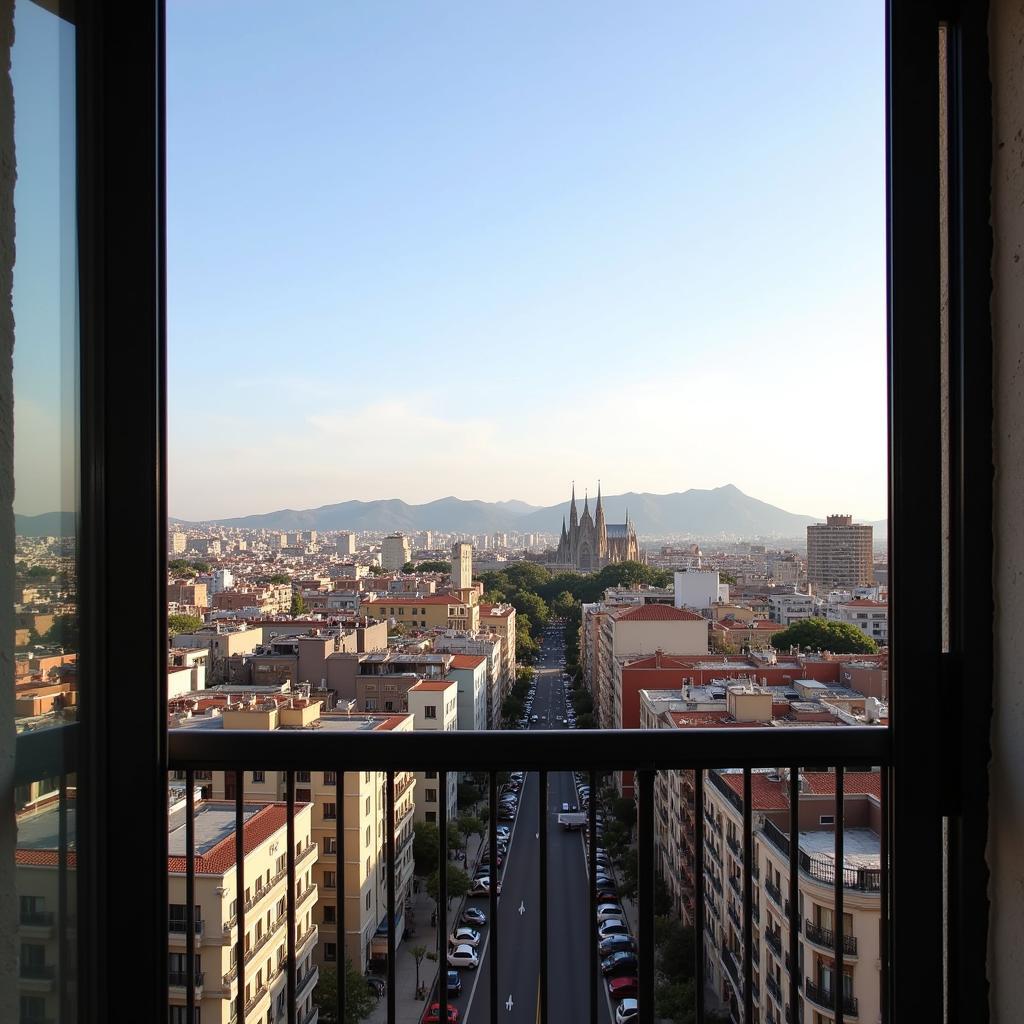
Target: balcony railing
<point x="825" y="997"/>
<point x="36" y="918"/>
<point x="180" y="979"/>
<point x="774" y="940"/>
<point x="773" y="988"/>
<point x="37" y="972"/>
<point x="774" y="893"/>
<point x="645" y="752"/>
<point x="734" y="846"/>
<point x="826" y="938"/>
<point x="178" y="927"/>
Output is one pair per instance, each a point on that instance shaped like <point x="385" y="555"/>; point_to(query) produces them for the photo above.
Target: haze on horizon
<point x="419" y="251"/>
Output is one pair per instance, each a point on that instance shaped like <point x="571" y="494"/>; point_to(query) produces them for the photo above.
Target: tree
<point x="418" y="953"/>
<point x="624" y="811"/>
<point x="727" y="577"/>
<point x="63" y="632"/>
<point x="377" y="570"/>
<point x="434" y="565"/>
<point x="526" y="575"/>
<point x="469" y="825"/>
<point x="454" y="839"/>
<point x="183" y="624"/>
<point x="180" y="567"/>
<point x="823" y="634"/>
<point x="202" y="566"/>
<point x="675" y="945"/>
<point x="459" y="883"/>
<point x="298" y="605"/>
<point x="563" y="605"/>
<point x="532" y="606"/>
<point x="425" y="852"/>
<point x="468" y="794"/>
<point x="409" y="567"/>
<point x="359" y="1001"/>
<point x="279" y="578"/>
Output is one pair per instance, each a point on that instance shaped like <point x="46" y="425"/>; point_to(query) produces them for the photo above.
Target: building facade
<point x="839" y="553"/>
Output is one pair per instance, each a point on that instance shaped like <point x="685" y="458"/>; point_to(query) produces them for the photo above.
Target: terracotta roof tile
<point x="658" y="613"/>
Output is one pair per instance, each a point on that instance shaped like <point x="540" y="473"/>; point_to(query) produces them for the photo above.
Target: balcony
<point x="735" y="918"/>
<point x="823" y="869"/>
<point x="732" y="967"/>
<point x="735" y="848"/>
<point x="825" y="998"/>
<point x="177" y="931"/>
<point x="306" y="981"/>
<point x="774" y="940"/>
<point x="734" y="881"/>
<point x="37" y="977"/>
<point x="773" y="989"/>
<point x="774" y="893"/>
<point x="312" y="1016"/>
<point x="824" y="938"/>
<point x="36" y="924"/>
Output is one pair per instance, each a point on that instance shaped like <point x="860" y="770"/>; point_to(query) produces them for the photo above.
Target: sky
<point x="483" y="249"/>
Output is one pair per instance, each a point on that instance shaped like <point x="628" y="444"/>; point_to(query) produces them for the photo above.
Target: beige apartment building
<point x="360" y="926"/>
<point x="861" y="868"/>
<point x="462" y="566"/>
<point x="264" y="903"/>
<point x="395" y="551"/>
<point x="433" y="703"/>
<point x="839" y="554"/>
<point x="500" y="620"/>
<point x="431" y="611"/>
<point x="636" y="631"/>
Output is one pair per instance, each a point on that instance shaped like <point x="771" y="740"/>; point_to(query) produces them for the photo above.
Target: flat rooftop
<point x="862" y="847"/>
<point x="214" y="822"/>
<point x="41" y="830"/>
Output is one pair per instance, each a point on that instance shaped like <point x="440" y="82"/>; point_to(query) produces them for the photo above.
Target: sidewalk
<point x="409" y="1009"/>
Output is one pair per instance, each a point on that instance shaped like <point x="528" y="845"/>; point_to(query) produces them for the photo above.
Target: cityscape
<point x="599" y="627"/>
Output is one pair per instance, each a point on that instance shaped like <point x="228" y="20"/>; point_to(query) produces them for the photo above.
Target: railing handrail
<point x="498" y="750"/>
<point x="181" y="978"/>
<point x="821" y="996"/>
<point x="826" y="937"/>
<point x="823" y="869"/>
<point x="37" y="971"/>
<point x="40" y="918"/>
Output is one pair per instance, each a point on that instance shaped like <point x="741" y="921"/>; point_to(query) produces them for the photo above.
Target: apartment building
<point x="462" y="566"/>
<point x="732" y="634"/>
<point x="839" y="553"/>
<point x="861" y="883"/>
<point x="433" y="705"/>
<point x="395" y="551"/>
<point x="870" y="617"/>
<point x="500" y="619"/>
<point x="424" y="611"/>
<point x="469" y="672"/>
<point x="487" y="646"/>
<point x="253" y="600"/>
<point x="359" y="928"/>
<point x="187" y="594"/>
<point x="699" y="589"/>
<point x="345" y="543"/>
<point x="785" y="609"/>
<point x="641" y="630"/>
<point x="176" y="543"/>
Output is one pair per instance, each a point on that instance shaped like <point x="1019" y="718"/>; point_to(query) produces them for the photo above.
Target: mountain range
<point x="718" y="512"/>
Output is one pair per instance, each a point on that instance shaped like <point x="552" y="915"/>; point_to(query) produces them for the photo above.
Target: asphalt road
<point x="569" y="924"/>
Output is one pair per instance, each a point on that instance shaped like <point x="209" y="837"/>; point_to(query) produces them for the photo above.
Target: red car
<point x="433" y="1015"/>
<point x="620" y="988"/>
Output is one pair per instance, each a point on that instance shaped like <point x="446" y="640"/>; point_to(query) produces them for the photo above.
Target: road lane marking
<point x="522" y="908"/>
<point x="508" y="1004"/>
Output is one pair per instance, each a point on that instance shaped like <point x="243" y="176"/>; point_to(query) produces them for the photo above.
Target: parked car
<point x="615" y="944"/>
<point x="377" y="986"/>
<point x="433" y="1014"/>
<point x="620" y="988"/>
<point x="454" y="984"/>
<point x="482" y="886"/>
<point x="619" y="964"/>
<point x="627" y="1012"/>
<point x="616" y="926"/>
<point x="475" y="916"/>
<point x="464" y="937"/>
<point x="463" y="956"/>
<point x="606" y="895"/>
<point x="608" y="912"/>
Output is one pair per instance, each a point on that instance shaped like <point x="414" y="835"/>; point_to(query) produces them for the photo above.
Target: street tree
<point x="183" y="624"/>
<point x="459" y="883"/>
<point x="425" y="852"/>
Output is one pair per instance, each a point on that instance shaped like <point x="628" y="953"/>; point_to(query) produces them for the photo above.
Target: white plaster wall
<point x="1006" y="829"/>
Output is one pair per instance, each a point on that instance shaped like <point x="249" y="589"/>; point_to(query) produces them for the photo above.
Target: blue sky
<point x="481" y="249"/>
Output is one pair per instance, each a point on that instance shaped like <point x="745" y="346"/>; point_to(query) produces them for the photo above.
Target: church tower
<point x="602" y="532"/>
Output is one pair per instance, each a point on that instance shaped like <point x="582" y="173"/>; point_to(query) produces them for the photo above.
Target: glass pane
<point x="45" y="369"/>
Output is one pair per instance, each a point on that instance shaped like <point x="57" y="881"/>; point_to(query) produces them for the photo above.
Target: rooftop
<point x="657" y="613"/>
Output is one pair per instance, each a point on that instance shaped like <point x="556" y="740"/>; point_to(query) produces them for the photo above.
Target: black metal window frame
<point x="936" y="750"/>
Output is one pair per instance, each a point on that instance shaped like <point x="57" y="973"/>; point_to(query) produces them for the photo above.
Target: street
<point x="569" y="922"/>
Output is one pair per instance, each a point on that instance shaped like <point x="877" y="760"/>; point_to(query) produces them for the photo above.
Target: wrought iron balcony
<point x="825" y="938"/>
<point x="774" y="894"/>
<point x="773" y="988"/>
<point x="774" y="940"/>
<point x="825" y="997"/>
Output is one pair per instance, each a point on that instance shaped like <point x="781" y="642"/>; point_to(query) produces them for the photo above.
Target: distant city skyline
<point x="477" y="251"/>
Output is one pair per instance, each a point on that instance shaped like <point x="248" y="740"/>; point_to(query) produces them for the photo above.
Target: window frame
<point x="122" y="211"/>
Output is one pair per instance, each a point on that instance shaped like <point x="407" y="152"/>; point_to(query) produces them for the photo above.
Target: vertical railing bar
<point x="240" y="892"/>
<point x="340" y="945"/>
<point x="190" y="895"/>
<point x="542" y="813"/>
<point x="795" y="922"/>
<point x="837" y="924"/>
<point x="389" y="832"/>
<point x="698" y="891"/>
<point x="884" y="897"/>
<point x="67" y="1012"/>
<point x="645" y="875"/>
<point x="442" y="890"/>
<point x="492" y="784"/>
<point x="592" y="884"/>
<point x="748" y="898"/>
<point x="290" y="905"/>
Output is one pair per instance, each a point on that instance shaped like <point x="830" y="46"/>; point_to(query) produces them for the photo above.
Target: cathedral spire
<point x="598" y="496"/>
<point x="573" y="516"/>
<point x="586" y="503"/>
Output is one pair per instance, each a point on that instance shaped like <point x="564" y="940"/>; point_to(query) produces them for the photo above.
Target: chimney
<point x="657" y="658"/>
